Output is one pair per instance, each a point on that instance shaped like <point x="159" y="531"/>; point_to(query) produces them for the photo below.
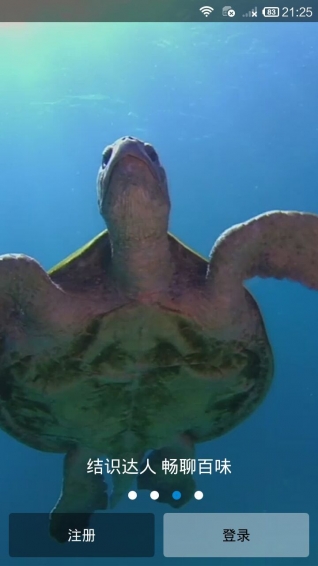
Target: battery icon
<point x="270" y="12"/>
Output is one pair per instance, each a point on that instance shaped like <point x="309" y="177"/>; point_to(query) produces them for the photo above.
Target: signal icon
<point x="206" y="10"/>
<point x="251" y="14"/>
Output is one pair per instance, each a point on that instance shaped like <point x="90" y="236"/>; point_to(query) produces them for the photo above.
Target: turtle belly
<point x="134" y="380"/>
<point x="127" y="416"/>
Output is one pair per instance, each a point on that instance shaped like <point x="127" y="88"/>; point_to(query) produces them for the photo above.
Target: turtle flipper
<point x="278" y="244"/>
<point x="20" y="273"/>
<point x="28" y="299"/>
<point x="121" y="485"/>
<point x="82" y="494"/>
<point x="155" y="476"/>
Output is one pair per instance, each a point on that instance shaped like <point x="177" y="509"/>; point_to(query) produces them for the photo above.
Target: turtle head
<point x="132" y="191"/>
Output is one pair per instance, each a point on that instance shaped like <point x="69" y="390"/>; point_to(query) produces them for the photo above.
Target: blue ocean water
<point x="232" y="112"/>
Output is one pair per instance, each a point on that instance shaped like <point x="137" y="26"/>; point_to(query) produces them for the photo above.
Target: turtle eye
<point x="106" y="157"/>
<point x="151" y="152"/>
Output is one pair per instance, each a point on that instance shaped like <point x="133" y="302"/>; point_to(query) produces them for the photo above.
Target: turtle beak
<point x="133" y="161"/>
<point x="132" y="192"/>
<point x="127" y="151"/>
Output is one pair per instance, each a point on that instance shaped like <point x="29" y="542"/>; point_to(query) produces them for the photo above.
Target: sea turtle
<point x="135" y="345"/>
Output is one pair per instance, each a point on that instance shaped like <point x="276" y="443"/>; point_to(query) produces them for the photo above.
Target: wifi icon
<point x="206" y="10"/>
